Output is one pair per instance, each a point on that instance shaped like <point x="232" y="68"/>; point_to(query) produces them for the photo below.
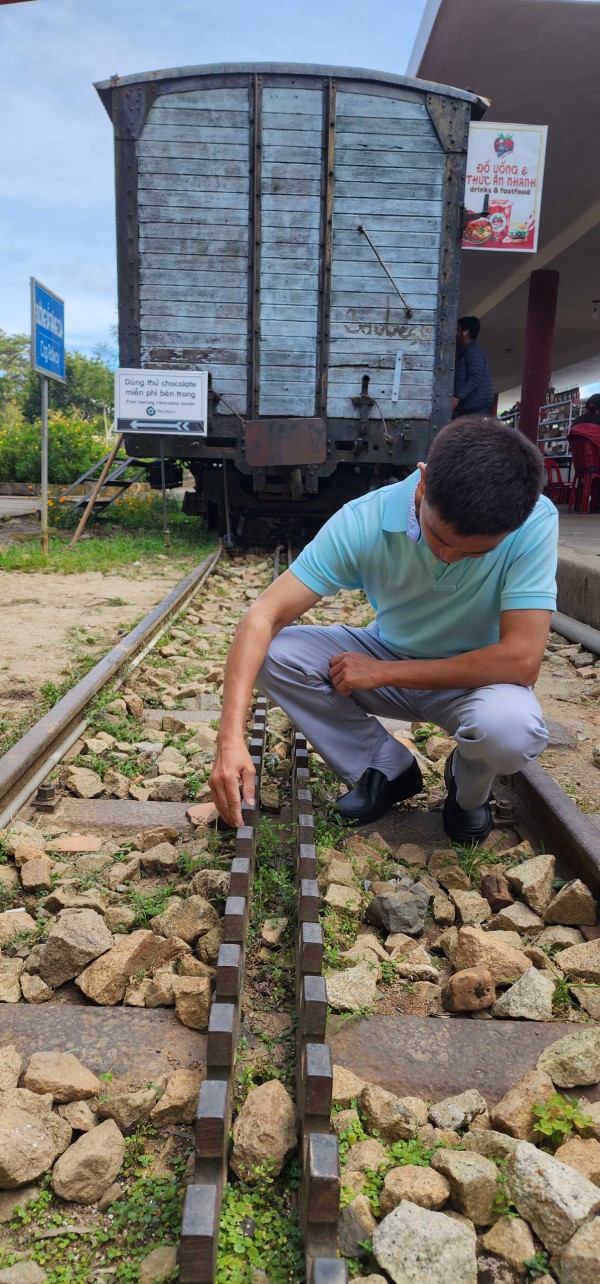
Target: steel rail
<point x="20" y="766"/>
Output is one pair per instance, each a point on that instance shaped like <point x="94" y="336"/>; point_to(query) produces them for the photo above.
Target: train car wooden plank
<point x="311" y="949"/>
<point x="212" y="1119"/>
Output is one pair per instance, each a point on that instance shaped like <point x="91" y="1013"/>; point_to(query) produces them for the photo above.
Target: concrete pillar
<point x="539" y="335"/>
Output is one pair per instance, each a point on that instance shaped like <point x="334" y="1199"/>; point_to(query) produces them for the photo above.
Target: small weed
<point x="538" y="1264"/>
<point x="147" y="905"/>
<point x="556" y="1119"/>
<point x="259" y="1231"/>
<point x="503" y="1205"/>
<point x="388" y="971"/>
<point x="471" y="858"/>
<point x="424" y="733"/>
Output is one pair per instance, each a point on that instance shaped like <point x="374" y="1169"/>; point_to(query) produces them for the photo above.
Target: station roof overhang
<point x="537" y="60"/>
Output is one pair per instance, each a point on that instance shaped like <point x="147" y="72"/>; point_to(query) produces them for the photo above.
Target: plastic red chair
<point x="584" y="441"/>
<point x="556" y="488"/>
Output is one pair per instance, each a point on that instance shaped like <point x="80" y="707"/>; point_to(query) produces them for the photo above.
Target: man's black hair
<point x="482" y="477"/>
<point x="472" y="324"/>
<point x="593" y="402"/>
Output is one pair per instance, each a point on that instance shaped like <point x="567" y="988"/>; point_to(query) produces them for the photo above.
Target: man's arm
<point x="282" y="603"/>
<point x="516" y="659"/>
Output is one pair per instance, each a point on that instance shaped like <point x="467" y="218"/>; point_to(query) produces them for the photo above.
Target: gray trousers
<point x="498" y="729"/>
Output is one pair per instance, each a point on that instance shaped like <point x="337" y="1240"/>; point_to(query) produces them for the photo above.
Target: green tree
<point x="14" y="366"/>
<point x="88" y="391"/>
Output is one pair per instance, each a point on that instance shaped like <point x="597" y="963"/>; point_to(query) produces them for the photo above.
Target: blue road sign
<point x="47" y="332"/>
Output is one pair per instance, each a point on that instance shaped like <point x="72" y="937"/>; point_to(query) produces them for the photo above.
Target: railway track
<point x="393" y="1047"/>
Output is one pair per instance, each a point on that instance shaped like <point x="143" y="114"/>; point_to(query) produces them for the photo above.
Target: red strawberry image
<point x="504" y="144"/>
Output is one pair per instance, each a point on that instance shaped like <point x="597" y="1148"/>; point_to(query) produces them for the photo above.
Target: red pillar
<point x="539" y="334"/>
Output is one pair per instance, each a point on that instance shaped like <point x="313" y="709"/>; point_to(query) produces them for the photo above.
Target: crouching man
<point x="458" y="562"/>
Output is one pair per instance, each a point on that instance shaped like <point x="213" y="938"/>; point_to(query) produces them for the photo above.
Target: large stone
<point x="397" y="912"/>
<point x="394" y="1118"/>
<point x="192" y="1000"/>
<point x="517" y="918"/>
<point x="511" y="1239"/>
<point x="356" y="1224"/>
<point x="159" y="1265"/>
<point x="475" y="947"/>
<point x="367" y="1155"/>
<point x="469" y="990"/>
<point x="11" y="1064"/>
<point x="36" y="875"/>
<point x="60" y="1130"/>
<point x="10" y="1202"/>
<point x="458" y="1112"/>
<point x="473" y="1183"/>
<point x="552" y="1197"/>
<point x="347" y="1087"/>
<point x="578" y="1261"/>
<point x="212" y="884"/>
<point x="495" y="889"/>
<point x="25" y="1272"/>
<point x="14" y="923"/>
<point x="62" y="1074"/>
<point x="591" y="1110"/>
<point x="34" y="990"/>
<point x="580" y="962"/>
<point x="514" y="1113"/>
<point x="83" y="782"/>
<point x="488" y="1142"/>
<point x="472" y="907"/>
<point x="106" y="979"/>
<point x="533" y="881"/>
<point x="421" y="1186"/>
<point x="167" y="789"/>
<point x="161" y="859"/>
<point x="582" y="1155"/>
<point x="33" y="1103"/>
<point x="179" y="1100"/>
<point x="347" y="900"/>
<point x="27" y="1148"/>
<point x="265" y="1130"/>
<point x="188" y="919"/>
<point x="90" y="1165"/>
<point x="353" y="989"/>
<point x="76" y="939"/>
<point x="10" y="972"/>
<point x="560" y="936"/>
<point x="572" y="906"/>
<point x="127" y="1109"/>
<point x="79" y="1116"/>
<point x="207" y="948"/>
<point x="416" y="1246"/>
<point x="529" y="998"/>
<point x="573" y="1060"/>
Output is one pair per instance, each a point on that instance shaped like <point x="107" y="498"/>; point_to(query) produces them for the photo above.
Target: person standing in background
<point x="473" y="383"/>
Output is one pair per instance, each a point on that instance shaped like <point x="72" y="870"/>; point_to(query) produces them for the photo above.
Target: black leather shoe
<point x="460" y="825"/>
<point x="374" y="794"/>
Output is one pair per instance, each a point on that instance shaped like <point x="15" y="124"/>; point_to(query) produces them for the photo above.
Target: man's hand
<point x="454" y="402"/>
<point x="353" y="672"/>
<point x="233" y="767"/>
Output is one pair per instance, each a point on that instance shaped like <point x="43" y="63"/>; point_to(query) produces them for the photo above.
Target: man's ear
<point x="421" y="486"/>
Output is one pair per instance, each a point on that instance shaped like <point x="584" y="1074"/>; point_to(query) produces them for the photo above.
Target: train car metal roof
<point x="290" y="69"/>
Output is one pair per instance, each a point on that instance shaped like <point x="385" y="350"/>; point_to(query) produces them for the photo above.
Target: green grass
<point x="108" y="549"/>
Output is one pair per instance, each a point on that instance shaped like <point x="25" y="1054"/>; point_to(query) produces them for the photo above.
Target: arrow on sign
<point x="182" y="426"/>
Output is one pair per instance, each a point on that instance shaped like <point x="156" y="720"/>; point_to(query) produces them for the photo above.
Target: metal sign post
<point x="48" y="359"/>
<point x="166" y="532"/>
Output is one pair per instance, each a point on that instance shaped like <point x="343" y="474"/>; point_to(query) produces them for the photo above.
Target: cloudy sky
<point x="56" y="147"/>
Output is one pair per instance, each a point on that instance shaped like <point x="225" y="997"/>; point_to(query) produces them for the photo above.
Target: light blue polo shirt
<point x="425" y="609"/>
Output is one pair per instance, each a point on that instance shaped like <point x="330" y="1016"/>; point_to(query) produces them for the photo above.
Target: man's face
<point x="446" y="544"/>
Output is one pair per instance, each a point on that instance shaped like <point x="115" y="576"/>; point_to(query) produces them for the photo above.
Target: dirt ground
<point x="51" y="621"/>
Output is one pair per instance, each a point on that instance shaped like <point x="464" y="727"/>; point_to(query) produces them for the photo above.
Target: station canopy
<point x="537" y="60"/>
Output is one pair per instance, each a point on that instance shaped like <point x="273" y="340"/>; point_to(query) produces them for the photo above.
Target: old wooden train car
<point x="295" y="231"/>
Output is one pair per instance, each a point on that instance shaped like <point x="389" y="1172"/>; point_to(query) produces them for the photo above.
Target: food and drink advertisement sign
<point x="503" y="188"/>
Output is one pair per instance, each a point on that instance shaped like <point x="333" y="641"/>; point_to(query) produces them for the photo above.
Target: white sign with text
<point x="161" y="401"/>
